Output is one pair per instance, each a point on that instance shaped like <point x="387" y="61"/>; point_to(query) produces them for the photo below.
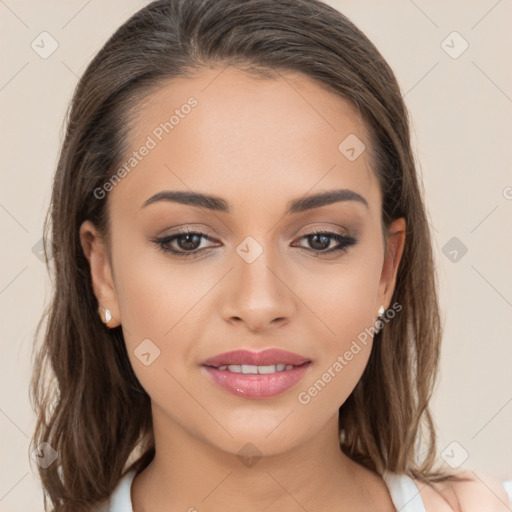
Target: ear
<point x="394" y="249"/>
<point x="101" y="272"/>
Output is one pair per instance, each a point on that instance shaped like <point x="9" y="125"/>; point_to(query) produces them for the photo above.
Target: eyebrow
<point x="221" y="205"/>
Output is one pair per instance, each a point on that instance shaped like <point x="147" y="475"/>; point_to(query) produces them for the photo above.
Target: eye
<point x="188" y="243"/>
<point x="320" y="241"/>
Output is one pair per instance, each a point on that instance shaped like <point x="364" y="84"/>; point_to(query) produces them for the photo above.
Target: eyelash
<point x="345" y="242"/>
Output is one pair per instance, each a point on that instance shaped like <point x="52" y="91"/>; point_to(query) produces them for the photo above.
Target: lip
<point x="263" y="358"/>
<point x="256" y="386"/>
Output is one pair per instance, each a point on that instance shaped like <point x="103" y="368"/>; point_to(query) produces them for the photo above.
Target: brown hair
<point x="83" y="385"/>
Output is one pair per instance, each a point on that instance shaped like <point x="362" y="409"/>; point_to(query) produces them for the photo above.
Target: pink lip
<point x="263" y="358"/>
<point x="256" y="386"/>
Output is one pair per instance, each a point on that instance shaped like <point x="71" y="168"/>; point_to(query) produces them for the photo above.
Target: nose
<point x="258" y="295"/>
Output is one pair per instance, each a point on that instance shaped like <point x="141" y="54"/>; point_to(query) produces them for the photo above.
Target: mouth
<point x="268" y="357"/>
<point x="250" y="369"/>
<point x="256" y="375"/>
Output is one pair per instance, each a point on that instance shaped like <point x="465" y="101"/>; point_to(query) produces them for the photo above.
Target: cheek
<point x="344" y="301"/>
<point x="345" y="313"/>
<point x="156" y="297"/>
<point x="161" y="312"/>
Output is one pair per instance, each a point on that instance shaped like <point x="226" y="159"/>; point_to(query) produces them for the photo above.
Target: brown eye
<point x="320" y="242"/>
<point x="186" y="244"/>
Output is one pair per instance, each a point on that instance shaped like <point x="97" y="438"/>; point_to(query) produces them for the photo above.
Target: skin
<point x="258" y="143"/>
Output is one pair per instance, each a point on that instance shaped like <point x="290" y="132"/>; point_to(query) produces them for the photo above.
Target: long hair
<point x="83" y="384"/>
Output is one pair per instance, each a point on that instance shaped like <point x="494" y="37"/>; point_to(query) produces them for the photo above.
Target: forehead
<point x="228" y="133"/>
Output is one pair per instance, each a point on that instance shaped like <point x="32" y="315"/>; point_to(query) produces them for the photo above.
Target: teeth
<point x="267" y="369"/>
<point x="253" y="369"/>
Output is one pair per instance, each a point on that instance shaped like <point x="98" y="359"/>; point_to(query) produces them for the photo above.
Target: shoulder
<point x="476" y="493"/>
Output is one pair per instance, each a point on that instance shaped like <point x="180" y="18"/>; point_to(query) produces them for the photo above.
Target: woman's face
<point x="253" y="282"/>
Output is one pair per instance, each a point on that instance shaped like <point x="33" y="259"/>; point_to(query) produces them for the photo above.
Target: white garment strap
<point x="507" y="484"/>
<point x="121" y="499"/>
<point x="404" y="493"/>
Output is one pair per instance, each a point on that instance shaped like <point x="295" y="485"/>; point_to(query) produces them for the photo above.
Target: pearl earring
<point x="105" y="314"/>
<point x="380" y="318"/>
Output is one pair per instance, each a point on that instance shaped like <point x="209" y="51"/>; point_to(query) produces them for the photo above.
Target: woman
<point x="245" y="313"/>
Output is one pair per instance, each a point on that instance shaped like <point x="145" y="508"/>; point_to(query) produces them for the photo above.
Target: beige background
<point x="461" y="115"/>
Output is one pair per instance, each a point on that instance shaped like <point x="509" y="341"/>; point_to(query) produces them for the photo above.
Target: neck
<point x="190" y="474"/>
